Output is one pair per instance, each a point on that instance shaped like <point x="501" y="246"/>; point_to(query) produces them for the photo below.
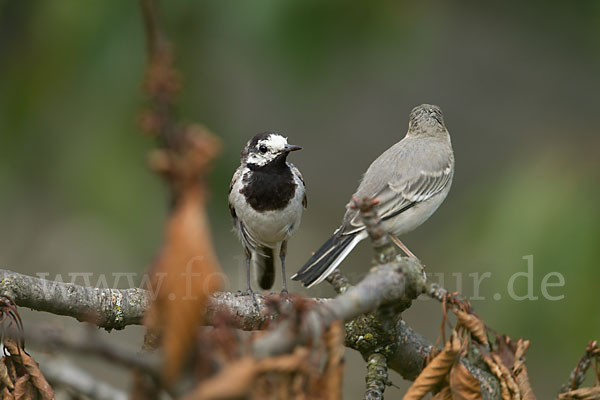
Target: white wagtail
<point x="410" y="180"/>
<point x="266" y="198"/>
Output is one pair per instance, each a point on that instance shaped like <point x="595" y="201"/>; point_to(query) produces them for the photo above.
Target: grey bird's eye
<point x="262" y="148"/>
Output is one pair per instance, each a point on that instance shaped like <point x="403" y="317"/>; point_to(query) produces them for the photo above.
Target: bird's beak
<point x="291" y="147"/>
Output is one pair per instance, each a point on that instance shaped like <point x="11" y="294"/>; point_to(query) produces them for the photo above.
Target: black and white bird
<point x="266" y="198"/>
<point x="410" y="180"/>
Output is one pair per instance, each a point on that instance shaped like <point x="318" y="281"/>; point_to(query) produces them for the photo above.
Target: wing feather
<point x="297" y="173"/>
<point x="400" y="195"/>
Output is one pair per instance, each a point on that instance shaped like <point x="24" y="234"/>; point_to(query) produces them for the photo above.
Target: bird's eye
<point x="263" y="148"/>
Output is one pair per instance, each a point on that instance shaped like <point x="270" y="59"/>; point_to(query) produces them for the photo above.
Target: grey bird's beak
<point x="291" y="147"/>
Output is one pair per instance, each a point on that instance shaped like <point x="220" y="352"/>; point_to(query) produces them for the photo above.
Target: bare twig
<point x="339" y="282"/>
<point x="385" y="251"/>
<point x="92" y="344"/>
<point x="64" y="374"/>
<point x="577" y="375"/>
<point x="377" y="376"/>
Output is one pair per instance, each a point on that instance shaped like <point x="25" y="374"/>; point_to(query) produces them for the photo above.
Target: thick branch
<point x="107" y="308"/>
<point x="112" y="308"/>
<point x="399" y="282"/>
<point x="407" y="356"/>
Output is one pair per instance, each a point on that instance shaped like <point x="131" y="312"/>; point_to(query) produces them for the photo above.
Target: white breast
<point x="268" y="228"/>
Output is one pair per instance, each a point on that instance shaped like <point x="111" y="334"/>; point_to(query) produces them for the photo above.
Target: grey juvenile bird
<point x="266" y="198"/>
<point x="410" y="180"/>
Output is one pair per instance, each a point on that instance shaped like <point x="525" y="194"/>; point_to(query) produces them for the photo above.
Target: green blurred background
<point x="518" y="83"/>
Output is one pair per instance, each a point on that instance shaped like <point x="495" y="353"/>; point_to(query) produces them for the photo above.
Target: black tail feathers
<point x="320" y="262"/>
<point x="265" y="267"/>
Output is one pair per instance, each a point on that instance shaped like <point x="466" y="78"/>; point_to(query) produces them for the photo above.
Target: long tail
<point x="327" y="258"/>
<point x="264" y="262"/>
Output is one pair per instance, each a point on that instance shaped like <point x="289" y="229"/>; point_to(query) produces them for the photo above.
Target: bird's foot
<point x="251" y="293"/>
<point x="285" y="296"/>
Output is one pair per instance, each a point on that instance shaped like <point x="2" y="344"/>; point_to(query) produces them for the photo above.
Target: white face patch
<point x="274" y="145"/>
<point x="275" y="142"/>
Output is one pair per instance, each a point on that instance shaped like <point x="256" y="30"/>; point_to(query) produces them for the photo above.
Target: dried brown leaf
<point x="144" y="387"/>
<point x="463" y="385"/>
<point x="235" y="381"/>
<point x="4" y="377"/>
<point x="520" y="371"/>
<point x="505" y="349"/>
<point x="508" y="376"/>
<point x="24" y="389"/>
<point x="186" y="272"/>
<point x="241" y="378"/>
<point x="7" y="394"/>
<point x="473" y="324"/>
<point x="444" y="394"/>
<point x="436" y="370"/>
<point x="36" y="377"/>
<point x="334" y="369"/>
<point x="588" y="393"/>
<point x="495" y="369"/>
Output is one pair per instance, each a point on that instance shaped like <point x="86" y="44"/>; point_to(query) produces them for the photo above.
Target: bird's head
<point x="266" y="148"/>
<point x="426" y="119"/>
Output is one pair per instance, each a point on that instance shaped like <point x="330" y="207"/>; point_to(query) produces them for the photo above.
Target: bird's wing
<point x="399" y="196"/>
<point x="404" y="190"/>
<point x="237" y="175"/>
<point x="296" y="172"/>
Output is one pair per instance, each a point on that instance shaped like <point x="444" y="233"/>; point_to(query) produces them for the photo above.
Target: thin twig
<point x="339" y="282"/>
<point x="64" y="374"/>
<point x="377" y="376"/>
<point x="92" y="344"/>
<point x="577" y="375"/>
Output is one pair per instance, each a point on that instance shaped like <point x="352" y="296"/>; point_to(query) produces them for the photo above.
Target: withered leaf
<point x="588" y="393"/>
<point x="506" y="349"/>
<point x="463" y="385"/>
<point x="520" y="371"/>
<point x="498" y="372"/>
<point x="444" y="394"/>
<point x="186" y="272"/>
<point x="24" y="389"/>
<point x="4" y="378"/>
<point x="473" y="324"/>
<point x="334" y="369"/>
<point x="436" y="370"/>
<point x="35" y="375"/>
<point x="240" y="378"/>
<point x="7" y="394"/>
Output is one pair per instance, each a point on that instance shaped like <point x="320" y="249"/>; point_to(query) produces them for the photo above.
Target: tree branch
<point x="64" y="374"/>
<point x="377" y="377"/>
<point x="117" y="308"/>
<point x="106" y="308"/>
<point x="92" y="344"/>
<point x="399" y="282"/>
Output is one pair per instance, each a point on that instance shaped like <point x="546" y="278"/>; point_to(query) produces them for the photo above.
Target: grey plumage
<point x="266" y="198"/>
<point x="410" y="180"/>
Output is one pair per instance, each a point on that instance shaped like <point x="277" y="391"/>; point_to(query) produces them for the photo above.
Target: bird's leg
<point x="249" y="290"/>
<point x="282" y="254"/>
<point x="402" y="246"/>
<point x="248" y="287"/>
